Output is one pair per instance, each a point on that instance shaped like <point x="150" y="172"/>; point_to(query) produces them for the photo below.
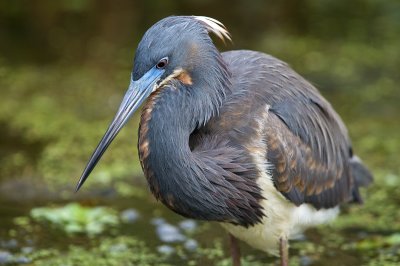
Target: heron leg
<point x="235" y="250"/>
<point x="284" y="251"/>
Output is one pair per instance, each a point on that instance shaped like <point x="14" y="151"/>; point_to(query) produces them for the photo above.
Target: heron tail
<point x="362" y="177"/>
<point x="360" y="172"/>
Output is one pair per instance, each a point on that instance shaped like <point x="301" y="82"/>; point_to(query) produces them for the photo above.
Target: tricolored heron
<point x="235" y="137"/>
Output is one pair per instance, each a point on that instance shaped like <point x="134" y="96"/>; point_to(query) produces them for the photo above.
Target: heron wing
<point x="309" y="153"/>
<point x="308" y="147"/>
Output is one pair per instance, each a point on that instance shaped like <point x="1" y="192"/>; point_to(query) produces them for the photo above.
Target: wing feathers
<point x="300" y="173"/>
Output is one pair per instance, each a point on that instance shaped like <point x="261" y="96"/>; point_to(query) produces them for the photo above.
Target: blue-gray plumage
<point x="235" y="137"/>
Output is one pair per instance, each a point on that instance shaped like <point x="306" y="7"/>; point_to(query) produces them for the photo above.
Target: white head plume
<point x="215" y="27"/>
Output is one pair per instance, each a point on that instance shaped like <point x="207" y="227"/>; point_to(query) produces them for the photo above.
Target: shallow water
<point x="172" y="239"/>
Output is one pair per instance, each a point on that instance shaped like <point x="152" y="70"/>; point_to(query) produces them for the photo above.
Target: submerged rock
<point x="129" y="215"/>
<point x="188" y="225"/>
<point x="5" y="257"/>
<point x="165" y="249"/>
<point x="157" y="221"/>
<point x="169" y="233"/>
<point x="191" y="245"/>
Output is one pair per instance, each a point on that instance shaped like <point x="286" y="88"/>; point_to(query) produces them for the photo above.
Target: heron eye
<point x="162" y="63"/>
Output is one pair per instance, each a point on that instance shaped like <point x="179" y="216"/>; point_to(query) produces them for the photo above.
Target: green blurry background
<point x="64" y="66"/>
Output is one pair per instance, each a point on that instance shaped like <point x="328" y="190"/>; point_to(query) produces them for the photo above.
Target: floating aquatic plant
<point x="74" y="218"/>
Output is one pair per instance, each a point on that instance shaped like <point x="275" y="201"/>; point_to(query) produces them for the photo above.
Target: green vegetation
<point x="64" y="67"/>
<point x="54" y="128"/>
<point x="109" y="252"/>
<point x="74" y="218"/>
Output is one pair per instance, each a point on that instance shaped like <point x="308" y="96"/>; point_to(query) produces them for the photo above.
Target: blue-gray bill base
<point x="236" y="137"/>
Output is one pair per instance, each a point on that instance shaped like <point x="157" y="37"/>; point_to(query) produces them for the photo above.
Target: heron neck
<point x="167" y="161"/>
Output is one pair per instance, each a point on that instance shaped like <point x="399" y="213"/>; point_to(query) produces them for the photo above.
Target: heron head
<point x="178" y="44"/>
<point x="175" y="48"/>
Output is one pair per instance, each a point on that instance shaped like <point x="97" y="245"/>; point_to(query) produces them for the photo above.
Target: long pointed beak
<point x="137" y="92"/>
